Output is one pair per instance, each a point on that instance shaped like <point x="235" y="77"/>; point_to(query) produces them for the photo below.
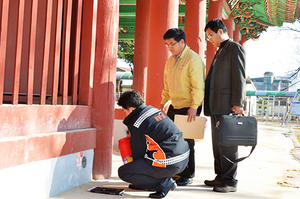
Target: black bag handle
<point x="240" y="159"/>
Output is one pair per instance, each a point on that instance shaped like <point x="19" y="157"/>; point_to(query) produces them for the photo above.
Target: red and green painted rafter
<point x="254" y="16"/>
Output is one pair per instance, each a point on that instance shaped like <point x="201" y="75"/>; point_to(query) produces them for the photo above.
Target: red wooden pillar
<point x="104" y="85"/>
<point x="163" y="16"/>
<point x="243" y="40"/>
<point x="214" y="11"/>
<point x="229" y="25"/>
<point x="195" y="15"/>
<point x="236" y="33"/>
<point x="3" y="44"/>
<point x="87" y="54"/>
<point x="141" y="46"/>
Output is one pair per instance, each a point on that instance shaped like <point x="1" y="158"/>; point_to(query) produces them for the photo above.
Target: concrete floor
<point x="259" y="176"/>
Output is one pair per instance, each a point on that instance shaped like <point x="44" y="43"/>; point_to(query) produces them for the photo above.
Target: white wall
<point x="45" y="178"/>
<point x="119" y="131"/>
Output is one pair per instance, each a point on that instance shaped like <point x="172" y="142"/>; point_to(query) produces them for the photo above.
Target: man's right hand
<point x="237" y="110"/>
<point x="191" y="115"/>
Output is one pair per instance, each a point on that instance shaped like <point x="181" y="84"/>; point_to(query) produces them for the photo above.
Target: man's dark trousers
<point x="222" y="166"/>
<point x="189" y="171"/>
<point x="143" y="175"/>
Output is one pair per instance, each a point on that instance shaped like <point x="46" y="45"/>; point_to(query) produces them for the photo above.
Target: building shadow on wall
<point x="73" y="167"/>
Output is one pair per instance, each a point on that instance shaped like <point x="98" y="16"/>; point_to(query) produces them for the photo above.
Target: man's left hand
<point x="191" y="115"/>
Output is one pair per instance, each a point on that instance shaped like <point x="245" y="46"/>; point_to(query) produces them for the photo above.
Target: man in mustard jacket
<point x="184" y="86"/>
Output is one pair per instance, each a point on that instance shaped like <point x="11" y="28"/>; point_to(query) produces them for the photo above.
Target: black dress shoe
<point x="131" y="186"/>
<point x="224" y="188"/>
<point x="160" y="194"/>
<point x="212" y="183"/>
<point x="184" y="181"/>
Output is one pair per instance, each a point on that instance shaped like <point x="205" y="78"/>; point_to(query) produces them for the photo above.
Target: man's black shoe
<point x="184" y="181"/>
<point x="224" y="188"/>
<point x="160" y="194"/>
<point x="131" y="186"/>
<point x="212" y="183"/>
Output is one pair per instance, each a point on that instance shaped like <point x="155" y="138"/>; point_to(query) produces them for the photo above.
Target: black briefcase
<point x="238" y="130"/>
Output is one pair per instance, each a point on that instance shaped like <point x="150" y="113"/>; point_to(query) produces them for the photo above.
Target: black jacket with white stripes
<point x="155" y="137"/>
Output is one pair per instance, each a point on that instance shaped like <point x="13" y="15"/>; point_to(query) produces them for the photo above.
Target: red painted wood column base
<point x="104" y="85"/>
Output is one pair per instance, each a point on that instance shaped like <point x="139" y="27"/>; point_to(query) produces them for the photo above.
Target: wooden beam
<point x="31" y="54"/>
<point x="3" y="43"/>
<point x="57" y="52"/>
<point x="18" y="57"/>
<point x="45" y="65"/>
<point x="66" y="51"/>
<point x="77" y="52"/>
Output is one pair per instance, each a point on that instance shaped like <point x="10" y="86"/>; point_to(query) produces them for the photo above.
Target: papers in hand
<point x="191" y="130"/>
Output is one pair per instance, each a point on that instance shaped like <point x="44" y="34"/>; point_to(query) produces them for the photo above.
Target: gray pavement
<point x="260" y="176"/>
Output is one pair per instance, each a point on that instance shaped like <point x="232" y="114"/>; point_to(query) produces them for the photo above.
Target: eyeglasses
<point x="209" y="36"/>
<point x="171" y="45"/>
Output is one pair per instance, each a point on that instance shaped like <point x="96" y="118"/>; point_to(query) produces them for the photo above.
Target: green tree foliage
<point x="125" y="50"/>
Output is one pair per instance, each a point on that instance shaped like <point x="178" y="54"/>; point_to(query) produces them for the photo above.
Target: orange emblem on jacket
<point x="158" y="155"/>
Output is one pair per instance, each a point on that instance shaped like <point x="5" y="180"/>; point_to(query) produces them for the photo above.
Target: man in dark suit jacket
<point x="224" y="93"/>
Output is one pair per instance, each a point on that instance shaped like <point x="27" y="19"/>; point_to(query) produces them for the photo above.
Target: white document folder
<point x="192" y="130"/>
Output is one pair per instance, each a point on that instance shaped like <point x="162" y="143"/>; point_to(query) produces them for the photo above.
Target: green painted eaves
<point x="252" y="16"/>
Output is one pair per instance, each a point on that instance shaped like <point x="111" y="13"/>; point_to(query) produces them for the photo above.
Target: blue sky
<point x="274" y="51"/>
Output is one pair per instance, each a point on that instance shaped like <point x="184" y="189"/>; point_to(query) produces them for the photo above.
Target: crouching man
<point x="158" y="148"/>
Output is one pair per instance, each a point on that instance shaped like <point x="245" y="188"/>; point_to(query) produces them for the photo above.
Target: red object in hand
<point x="124" y="146"/>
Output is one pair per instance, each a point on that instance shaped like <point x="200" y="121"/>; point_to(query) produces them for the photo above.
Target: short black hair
<point x="215" y="25"/>
<point x="175" y="33"/>
<point x="130" y="98"/>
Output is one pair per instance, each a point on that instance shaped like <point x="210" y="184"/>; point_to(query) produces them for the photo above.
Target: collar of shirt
<point x="223" y="43"/>
<point x="219" y="50"/>
<point x="178" y="56"/>
<point x="127" y="119"/>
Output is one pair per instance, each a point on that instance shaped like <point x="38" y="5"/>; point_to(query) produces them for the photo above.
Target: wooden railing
<point x="40" y="47"/>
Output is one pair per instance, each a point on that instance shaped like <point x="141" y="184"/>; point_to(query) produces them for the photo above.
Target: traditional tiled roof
<point x="254" y="16"/>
